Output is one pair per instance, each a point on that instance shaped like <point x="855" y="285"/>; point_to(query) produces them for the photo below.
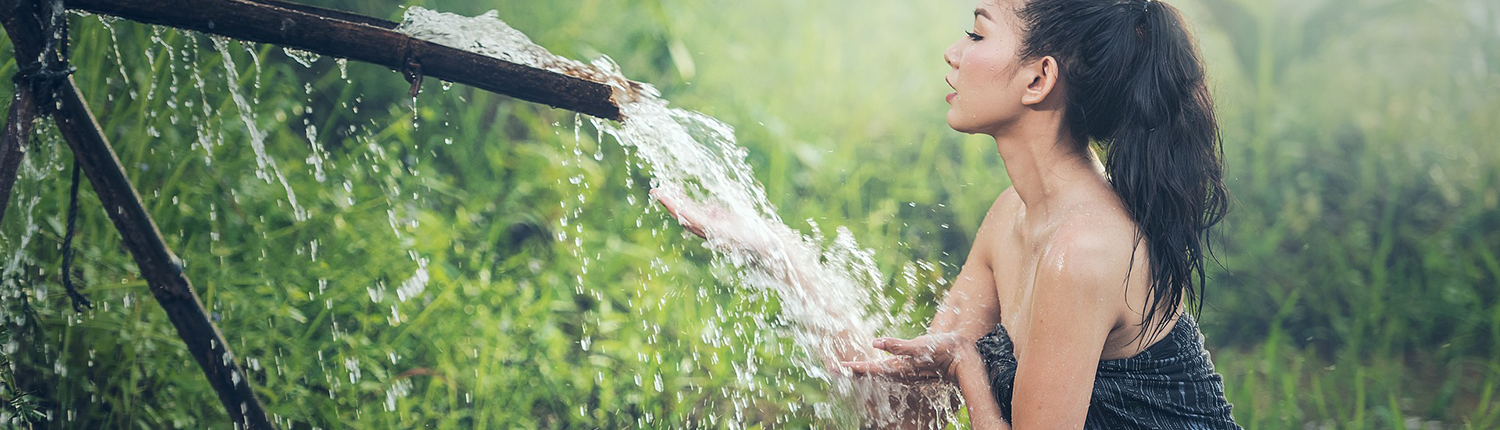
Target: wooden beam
<point x="331" y="13"/>
<point x="370" y="40"/>
<point x="162" y="269"/>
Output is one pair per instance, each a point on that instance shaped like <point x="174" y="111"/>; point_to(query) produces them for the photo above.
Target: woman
<point x="1069" y="310"/>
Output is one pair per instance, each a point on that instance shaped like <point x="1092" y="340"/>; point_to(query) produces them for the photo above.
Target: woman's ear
<point x="1041" y="76"/>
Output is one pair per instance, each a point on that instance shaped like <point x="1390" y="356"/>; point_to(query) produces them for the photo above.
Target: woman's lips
<point x="951" y="96"/>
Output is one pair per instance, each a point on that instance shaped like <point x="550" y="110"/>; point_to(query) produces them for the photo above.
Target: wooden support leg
<point x="13" y="140"/>
<point x="162" y="269"/>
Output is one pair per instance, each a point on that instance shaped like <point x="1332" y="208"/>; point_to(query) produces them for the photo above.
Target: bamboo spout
<point x="365" y="39"/>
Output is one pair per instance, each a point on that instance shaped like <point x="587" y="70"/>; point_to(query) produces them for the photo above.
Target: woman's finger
<point x="686" y="214"/>
<point x="888" y="367"/>
<point x="909" y="348"/>
<point x="895" y="367"/>
<point x="667" y="199"/>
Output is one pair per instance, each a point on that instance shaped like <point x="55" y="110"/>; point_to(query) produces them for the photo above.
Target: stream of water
<point x="830" y="291"/>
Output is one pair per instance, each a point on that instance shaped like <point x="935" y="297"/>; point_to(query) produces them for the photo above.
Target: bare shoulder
<point x="1000" y="217"/>
<point x="1003" y="211"/>
<point x="1094" y="251"/>
<point x="1008" y="197"/>
<point x="1082" y="272"/>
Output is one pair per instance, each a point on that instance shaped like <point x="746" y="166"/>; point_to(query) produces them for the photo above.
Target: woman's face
<point x="987" y="93"/>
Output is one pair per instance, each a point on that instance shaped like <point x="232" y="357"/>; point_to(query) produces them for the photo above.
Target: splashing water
<point x="487" y="34"/>
<point x="266" y="166"/>
<point x="696" y="157"/>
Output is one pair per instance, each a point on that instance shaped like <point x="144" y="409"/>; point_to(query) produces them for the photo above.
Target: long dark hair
<point x="1135" y="86"/>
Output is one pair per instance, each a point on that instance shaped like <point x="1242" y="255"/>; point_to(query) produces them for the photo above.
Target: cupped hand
<point x="930" y="357"/>
<point x="720" y="226"/>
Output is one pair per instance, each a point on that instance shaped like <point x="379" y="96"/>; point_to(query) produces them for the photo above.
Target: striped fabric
<point x="1169" y="386"/>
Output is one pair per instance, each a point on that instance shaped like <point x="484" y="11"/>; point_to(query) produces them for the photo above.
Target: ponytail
<point x="1135" y="86"/>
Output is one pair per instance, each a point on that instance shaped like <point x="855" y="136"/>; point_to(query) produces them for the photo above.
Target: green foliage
<point x="1362" y="251"/>
<point x="1360" y="285"/>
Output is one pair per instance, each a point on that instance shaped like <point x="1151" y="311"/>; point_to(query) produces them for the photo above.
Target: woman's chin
<point x="955" y="121"/>
<point x="970" y="124"/>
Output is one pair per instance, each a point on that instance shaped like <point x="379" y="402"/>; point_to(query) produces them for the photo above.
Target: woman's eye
<point x="973" y="37"/>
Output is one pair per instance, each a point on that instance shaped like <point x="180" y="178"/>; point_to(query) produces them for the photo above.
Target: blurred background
<point x="470" y="261"/>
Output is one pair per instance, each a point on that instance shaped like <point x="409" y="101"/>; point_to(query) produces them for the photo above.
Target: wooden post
<point x="370" y="40"/>
<point x="13" y="140"/>
<point x="23" y="109"/>
<point x="162" y="269"/>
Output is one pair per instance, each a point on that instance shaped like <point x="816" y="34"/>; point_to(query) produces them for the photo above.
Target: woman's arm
<point x="974" y="384"/>
<point x="941" y="356"/>
<point x="969" y="309"/>
<point x="1076" y="303"/>
<point x="1074" y="306"/>
<point x="972" y="307"/>
<point x="831" y="316"/>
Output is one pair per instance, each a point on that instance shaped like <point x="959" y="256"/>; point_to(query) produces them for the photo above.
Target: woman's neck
<point x="1044" y="165"/>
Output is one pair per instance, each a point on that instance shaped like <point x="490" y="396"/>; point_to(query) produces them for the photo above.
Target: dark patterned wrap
<point x="1000" y="361"/>
<point x="1169" y="386"/>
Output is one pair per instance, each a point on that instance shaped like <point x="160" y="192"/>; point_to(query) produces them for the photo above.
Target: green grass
<point x="1360" y="286"/>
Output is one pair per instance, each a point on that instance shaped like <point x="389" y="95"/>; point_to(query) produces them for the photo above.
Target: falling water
<point x="824" y="290"/>
<point x="266" y="166"/>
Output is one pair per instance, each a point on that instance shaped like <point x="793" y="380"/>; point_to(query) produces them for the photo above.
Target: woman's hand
<point x="722" y="227"/>
<point x="931" y="357"/>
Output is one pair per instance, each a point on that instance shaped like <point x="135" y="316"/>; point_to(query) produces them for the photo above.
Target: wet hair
<point x="1135" y="86"/>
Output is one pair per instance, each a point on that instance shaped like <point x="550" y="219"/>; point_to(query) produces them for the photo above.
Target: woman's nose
<point x="951" y="55"/>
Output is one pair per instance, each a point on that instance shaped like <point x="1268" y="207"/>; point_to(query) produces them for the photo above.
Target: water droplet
<point x="305" y="58"/>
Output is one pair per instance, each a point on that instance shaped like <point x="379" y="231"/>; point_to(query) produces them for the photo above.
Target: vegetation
<point x="470" y="262"/>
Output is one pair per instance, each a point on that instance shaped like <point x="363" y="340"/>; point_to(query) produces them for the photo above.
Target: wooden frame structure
<point x="37" y="44"/>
